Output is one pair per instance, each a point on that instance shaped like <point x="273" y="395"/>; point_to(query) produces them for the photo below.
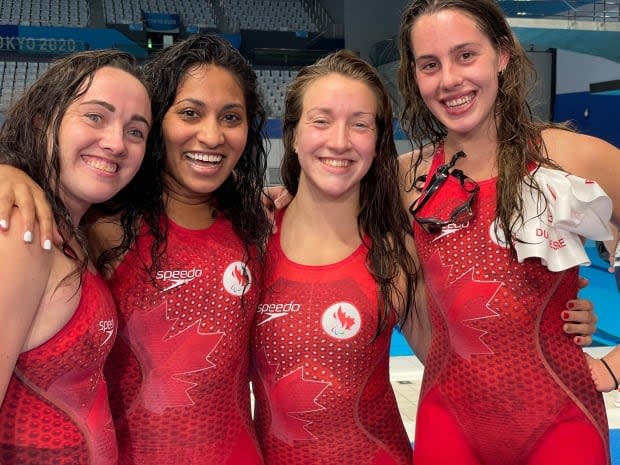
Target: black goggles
<point x="460" y="214"/>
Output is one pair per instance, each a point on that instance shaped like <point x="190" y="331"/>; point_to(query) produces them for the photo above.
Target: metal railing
<point x="572" y="10"/>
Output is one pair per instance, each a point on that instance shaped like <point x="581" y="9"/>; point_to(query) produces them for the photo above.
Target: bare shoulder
<point x="577" y="153"/>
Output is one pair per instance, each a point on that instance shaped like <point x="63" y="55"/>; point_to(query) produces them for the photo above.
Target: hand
<point x="18" y="189"/>
<point x="274" y="198"/>
<point x="579" y="318"/>
<point x="612" y="248"/>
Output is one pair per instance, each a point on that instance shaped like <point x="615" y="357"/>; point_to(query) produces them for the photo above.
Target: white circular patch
<point x="342" y="321"/>
<point x="237" y="279"/>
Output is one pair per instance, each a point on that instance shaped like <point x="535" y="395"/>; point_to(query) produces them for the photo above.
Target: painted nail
<point x="4" y="224"/>
<point x="47" y="245"/>
<point x="28" y="236"/>
<point x="570" y="305"/>
<point x="565" y="315"/>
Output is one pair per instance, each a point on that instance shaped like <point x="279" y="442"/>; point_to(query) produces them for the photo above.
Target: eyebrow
<point x="200" y="103"/>
<point x="328" y="110"/>
<point x="111" y="108"/>
<point x="454" y="49"/>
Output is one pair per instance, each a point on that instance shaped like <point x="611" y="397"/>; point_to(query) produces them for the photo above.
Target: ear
<point x="504" y="59"/>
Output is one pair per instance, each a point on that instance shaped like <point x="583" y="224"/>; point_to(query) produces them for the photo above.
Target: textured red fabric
<point x="499" y="360"/>
<point x="179" y="373"/>
<point x="322" y="387"/>
<point x="56" y="408"/>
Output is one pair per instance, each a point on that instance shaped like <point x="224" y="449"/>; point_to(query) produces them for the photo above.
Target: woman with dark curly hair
<point x="187" y="289"/>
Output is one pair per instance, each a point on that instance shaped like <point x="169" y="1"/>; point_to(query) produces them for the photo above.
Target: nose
<point x="113" y="139"/>
<point x="210" y="132"/>
<point x="450" y="76"/>
<point x="339" y="139"/>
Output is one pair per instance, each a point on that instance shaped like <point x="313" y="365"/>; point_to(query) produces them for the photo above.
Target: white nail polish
<point x="47" y="245"/>
<point x="28" y="236"/>
<point x="4" y="224"/>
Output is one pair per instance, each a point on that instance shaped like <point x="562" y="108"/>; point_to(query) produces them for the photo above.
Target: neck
<point x="480" y="161"/>
<point x="189" y="212"/>
<point x="317" y="231"/>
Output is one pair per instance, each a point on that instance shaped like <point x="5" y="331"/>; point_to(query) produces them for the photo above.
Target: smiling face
<point x="102" y="139"/>
<point x="456" y="68"/>
<point x="336" y="135"/>
<point x="205" y="132"/>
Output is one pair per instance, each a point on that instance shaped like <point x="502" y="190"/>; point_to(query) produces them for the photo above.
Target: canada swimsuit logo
<point x="237" y="279"/>
<point x="341" y="321"/>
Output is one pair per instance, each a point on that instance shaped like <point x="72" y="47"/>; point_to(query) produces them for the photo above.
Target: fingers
<point x="7" y="201"/>
<point x="580" y="321"/>
<point x="583" y="282"/>
<point x="34" y="211"/>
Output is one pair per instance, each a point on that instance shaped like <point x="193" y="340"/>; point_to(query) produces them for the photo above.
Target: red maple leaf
<point x="461" y="302"/>
<point x="165" y="359"/>
<point x="241" y="276"/>
<point x="290" y="396"/>
<point x="346" y="322"/>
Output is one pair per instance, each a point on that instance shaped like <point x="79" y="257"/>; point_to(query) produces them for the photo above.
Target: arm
<point x="23" y="285"/>
<point x="17" y="188"/>
<point x="590" y="158"/>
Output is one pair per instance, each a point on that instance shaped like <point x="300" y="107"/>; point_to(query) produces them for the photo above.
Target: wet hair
<point x="29" y="135"/>
<point x="382" y="217"/>
<point x="519" y="135"/>
<point x="239" y="197"/>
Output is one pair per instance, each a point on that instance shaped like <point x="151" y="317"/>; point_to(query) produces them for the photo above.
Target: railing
<point x="571" y="10"/>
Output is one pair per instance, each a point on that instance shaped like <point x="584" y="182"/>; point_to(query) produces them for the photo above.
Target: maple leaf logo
<point x="461" y="302"/>
<point x="165" y="359"/>
<point x="241" y="276"/>
<point x="290" y="396"/>
<point x="345" y="320"/>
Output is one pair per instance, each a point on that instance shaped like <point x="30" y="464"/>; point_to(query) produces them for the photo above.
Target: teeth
<point x="204" y="157"/>
<point x="459" y="101"/>
<point x="338" y="163"/>
<point x="102" y="165"/>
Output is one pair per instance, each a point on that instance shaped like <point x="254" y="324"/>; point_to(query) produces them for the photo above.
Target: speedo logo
<point x="274" y="311"/>
<point x="178" y="277"/>
<point x="450" y="229"/>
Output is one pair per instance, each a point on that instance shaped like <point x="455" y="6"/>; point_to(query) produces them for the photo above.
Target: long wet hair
<point x="29" y="136"/>
<point x="239" y="197"/>
<point x="519" y="135"/>
<point x="381" y="217"/>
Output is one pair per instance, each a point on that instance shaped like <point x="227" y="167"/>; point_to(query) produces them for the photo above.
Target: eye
<point x="467" y="56"/>
<point x="232" y="118"/>
<point x="188" y="113"/>
<point x="137" y="133"/>
<point x="94" y="117"/>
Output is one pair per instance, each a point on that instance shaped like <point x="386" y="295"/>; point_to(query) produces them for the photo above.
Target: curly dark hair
<point x="29" y="136"/>
<point x="519" y="135"/>
<point x="239" y="197"/>
<point x="381" y="215"/>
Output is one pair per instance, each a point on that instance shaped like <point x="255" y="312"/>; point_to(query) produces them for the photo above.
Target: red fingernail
<point x="570" y="305"/>
<point x="565" y="315"/>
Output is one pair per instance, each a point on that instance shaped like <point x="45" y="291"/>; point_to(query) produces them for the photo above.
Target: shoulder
<point x="579" y="154"/>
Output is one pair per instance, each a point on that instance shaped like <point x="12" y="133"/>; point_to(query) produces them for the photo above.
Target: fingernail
<point x="570" y="305"/>
<point x="28" y="236"/>
<point x="47" y="245"/>
<point x="4" y="224"/>
<point x="577" y="340"/>
<point x="565" y="315"/>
